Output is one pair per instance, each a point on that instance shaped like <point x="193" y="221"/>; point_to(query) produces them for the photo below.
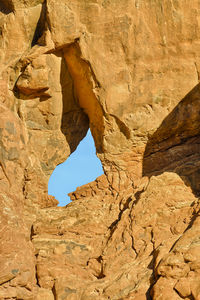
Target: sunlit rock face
<point x="129" y="70"/>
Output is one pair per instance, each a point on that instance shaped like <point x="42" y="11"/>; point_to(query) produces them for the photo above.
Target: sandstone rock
<point x="44" y="294"/>
<point x="129" y="70"/>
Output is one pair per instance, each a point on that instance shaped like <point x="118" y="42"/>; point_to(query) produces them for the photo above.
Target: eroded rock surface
<point x="129" y="70"/>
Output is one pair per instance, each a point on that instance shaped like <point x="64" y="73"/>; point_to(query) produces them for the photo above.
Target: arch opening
<point x="81" y="167"/>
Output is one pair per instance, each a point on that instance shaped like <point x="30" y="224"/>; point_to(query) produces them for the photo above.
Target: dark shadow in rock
<point x="74" y="123"/>
<point x="175" y="146"/>
<point x="31" y="94"/>
<point x="6" y="7"/>
<point x="40" y="28"/>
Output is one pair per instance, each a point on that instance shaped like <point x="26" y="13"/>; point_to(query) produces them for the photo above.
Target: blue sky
<point x="81" y="167"/>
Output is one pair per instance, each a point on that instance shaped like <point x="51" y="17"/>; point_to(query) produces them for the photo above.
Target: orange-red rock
<point x="129" y="70"/>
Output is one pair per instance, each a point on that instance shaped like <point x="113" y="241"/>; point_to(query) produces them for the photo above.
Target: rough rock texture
<point x="130" y="71"/>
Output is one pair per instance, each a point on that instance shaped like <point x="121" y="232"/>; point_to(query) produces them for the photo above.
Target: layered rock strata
<point x="129" y="71"/>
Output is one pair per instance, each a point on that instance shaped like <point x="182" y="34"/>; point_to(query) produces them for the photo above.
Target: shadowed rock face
<point x="175" y="145"/>
<point x="129" y="70"/>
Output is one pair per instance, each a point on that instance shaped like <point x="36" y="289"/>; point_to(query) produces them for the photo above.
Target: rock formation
<point x="130" y="71"/>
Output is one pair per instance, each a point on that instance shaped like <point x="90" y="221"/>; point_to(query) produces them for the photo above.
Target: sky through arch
<point x="81" y="167"/>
